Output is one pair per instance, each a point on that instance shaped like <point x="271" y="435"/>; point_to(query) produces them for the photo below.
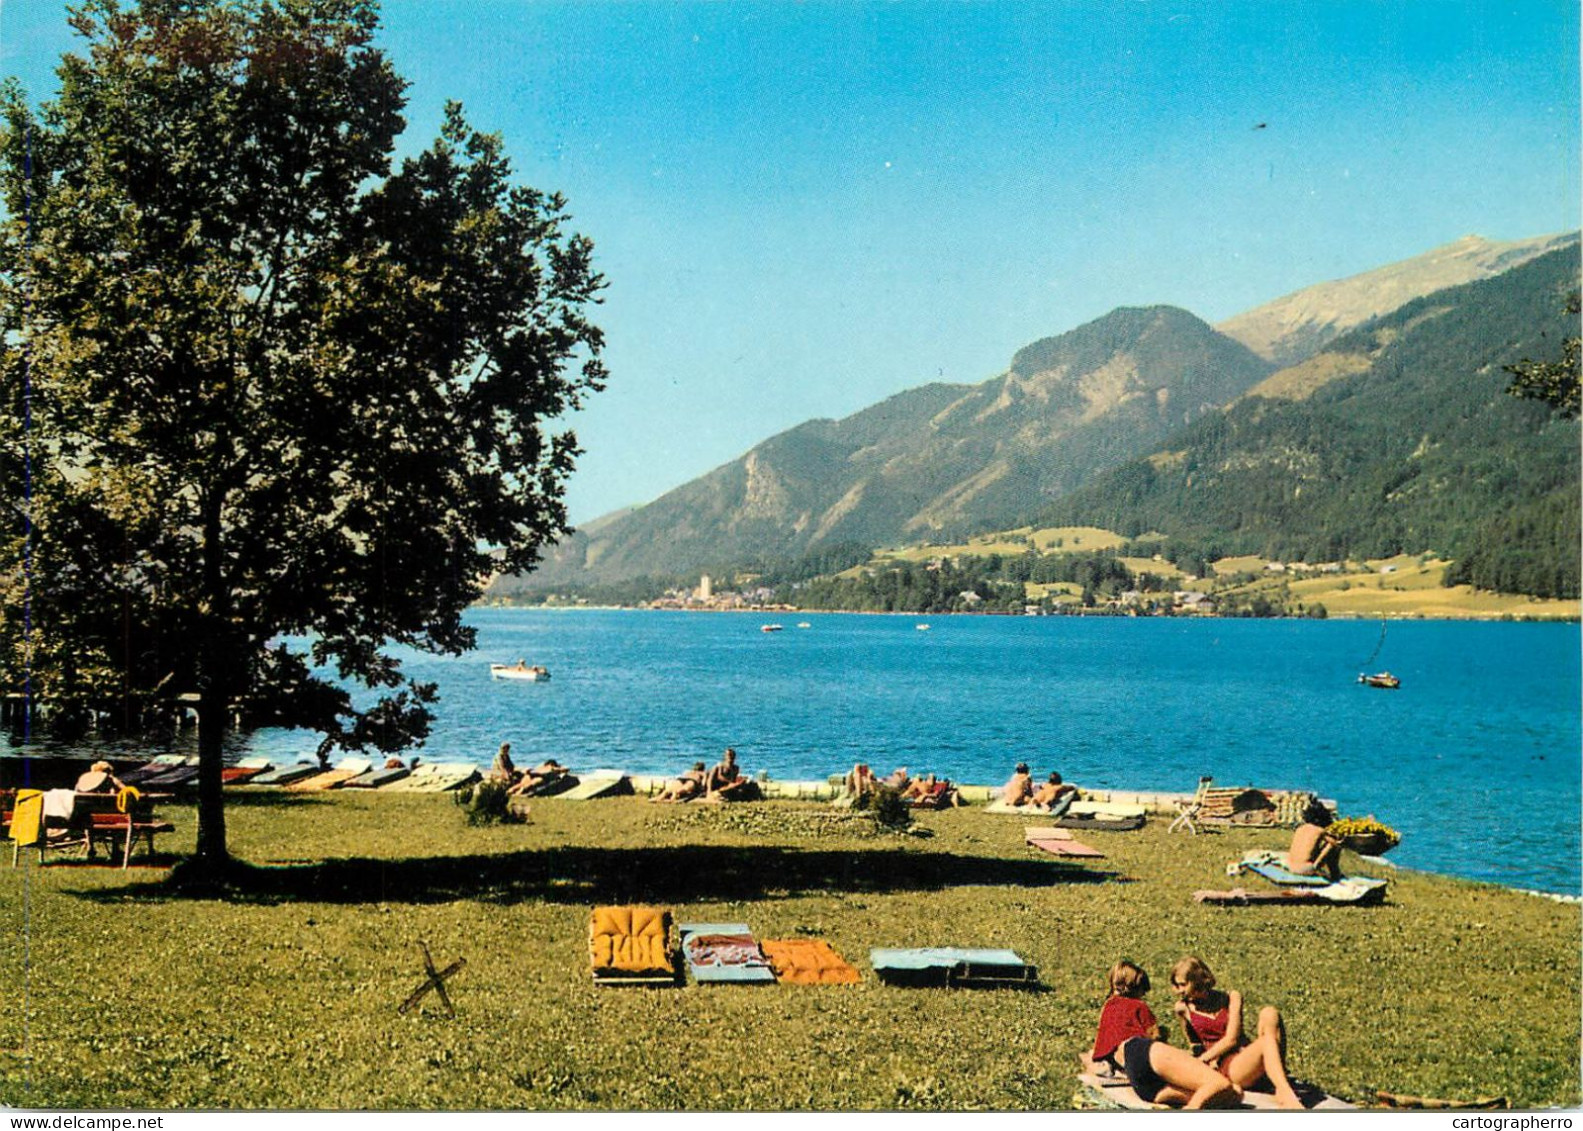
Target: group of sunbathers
<point x="1221" y="1062"/>
<point x="523" y="783"/>
<point x="725" y="781"/>
<point x="1053" y="796"/>
<point x="926" y="792"/>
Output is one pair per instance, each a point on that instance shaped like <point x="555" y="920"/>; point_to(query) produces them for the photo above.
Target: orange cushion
<point x="808" y="962"/>
<point x="630" y="940"/>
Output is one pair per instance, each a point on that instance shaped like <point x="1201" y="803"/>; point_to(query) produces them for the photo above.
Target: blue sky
<point x="803" y="208"/>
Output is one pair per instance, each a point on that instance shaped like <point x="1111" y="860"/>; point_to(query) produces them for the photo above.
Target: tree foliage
<point x="1554" y="382"/>
<point x="261" y="386"/>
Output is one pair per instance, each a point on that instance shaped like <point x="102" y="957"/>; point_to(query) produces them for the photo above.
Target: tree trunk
<point x="213" y="721"/>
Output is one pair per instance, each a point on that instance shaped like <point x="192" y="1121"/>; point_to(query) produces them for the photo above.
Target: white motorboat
<point x="532" y="673"/>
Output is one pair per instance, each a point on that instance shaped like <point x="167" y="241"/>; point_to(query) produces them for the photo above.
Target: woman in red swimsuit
<point x="1213" y="1021"/>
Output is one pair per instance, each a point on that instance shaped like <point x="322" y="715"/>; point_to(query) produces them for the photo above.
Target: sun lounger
<point x="245" y="770"/>
<point x="1113" y="1092"/>
<point x="160" y="764"/>
<point x="600" y="783"/>
<point x="1271" y="866"/>
<point x="950" y="966"/>
<point x="282" y="775"/>
<point x="1059" y="842"/>
<point x="1359" y="890"/>
<point x="631" y="946"/>
<point x="345" y="770"/>
<point x="436" y="777"/>
<point x="808" y="962"/>
<point x="376" y="778"/>
<point x="172" y="777"/>
<point x="724" y="952"/>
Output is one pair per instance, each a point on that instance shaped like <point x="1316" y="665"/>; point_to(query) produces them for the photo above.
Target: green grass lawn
<point x="121" y="993"/>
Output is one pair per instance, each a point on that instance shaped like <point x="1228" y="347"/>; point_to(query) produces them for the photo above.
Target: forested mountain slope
<point x="1399" y="436"/>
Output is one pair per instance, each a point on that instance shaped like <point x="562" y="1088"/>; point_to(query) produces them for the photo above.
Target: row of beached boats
<point x="174" y="771"/>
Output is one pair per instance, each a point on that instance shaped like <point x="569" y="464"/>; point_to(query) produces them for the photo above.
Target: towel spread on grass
<point x="1115" y="1092"/>
<point x="1272" y="866"/>
<point x="808" y="962"/>
<point x="1059" y="842"/>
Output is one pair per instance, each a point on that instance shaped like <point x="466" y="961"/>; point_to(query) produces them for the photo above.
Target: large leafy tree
<point x="1554" y="382"/>
<point x="261" y="385"/>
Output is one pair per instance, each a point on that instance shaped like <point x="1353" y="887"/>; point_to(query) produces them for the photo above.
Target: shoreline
<point x="1159" y="805"/>
<point x="1487" y="618"/>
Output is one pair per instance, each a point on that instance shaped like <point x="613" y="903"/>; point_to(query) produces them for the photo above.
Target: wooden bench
<point x="96" y="820"/>
<point x="120" y="831"/>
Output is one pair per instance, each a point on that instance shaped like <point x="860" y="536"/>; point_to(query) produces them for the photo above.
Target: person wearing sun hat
<point x="98" y="779"/>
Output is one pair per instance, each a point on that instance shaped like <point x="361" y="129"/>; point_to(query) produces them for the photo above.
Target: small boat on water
<point x="532" y="673"/>
<point x="921" y="627"/>
<point x="1380" y="679"/>
<point x="804" y="624"/>
<point x="769" y="628"/>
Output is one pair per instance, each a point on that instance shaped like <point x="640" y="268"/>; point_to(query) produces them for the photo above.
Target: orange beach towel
<point x="808" y="962"/>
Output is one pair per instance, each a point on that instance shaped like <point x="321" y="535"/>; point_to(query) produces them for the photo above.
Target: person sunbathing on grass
<point x="1212" y="1019"/>
<point x="1314" y="851"/>
<point x="1129" y="1042"/>
<point x="1019" y="790"/>
<point x="928" y="792"/>
<point x="684" y="787"/>
<point x="534" y="780"/>
<point x="725" y="781"/>
<point x="897" y="780"/>
<point x="1054" y="795"/>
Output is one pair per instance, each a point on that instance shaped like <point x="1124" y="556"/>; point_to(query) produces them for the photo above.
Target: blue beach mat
<point x="950" y="966"/>
<point x="1270" y="866"/>
<point x="724" y="952"/>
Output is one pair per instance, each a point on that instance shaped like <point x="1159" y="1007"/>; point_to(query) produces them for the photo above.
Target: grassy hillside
<point x="126" y="995"/>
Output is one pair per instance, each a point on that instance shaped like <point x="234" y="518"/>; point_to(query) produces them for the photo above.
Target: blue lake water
<point x="1476" y="759"/>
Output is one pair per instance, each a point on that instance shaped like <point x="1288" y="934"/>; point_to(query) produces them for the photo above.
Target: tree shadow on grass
<point x="585" y="875"/>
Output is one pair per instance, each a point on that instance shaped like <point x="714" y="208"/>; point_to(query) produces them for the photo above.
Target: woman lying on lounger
<point x="1213" y="1021"/>
<point x="1129" y="1041"/>
<point x="534" y="780"/>
<point x="683" y="788"/>
<point x="1054" y="796"/>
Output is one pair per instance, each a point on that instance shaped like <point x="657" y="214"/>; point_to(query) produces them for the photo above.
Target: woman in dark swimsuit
<point x="1213" y="1020"/>
<point x="1129" y="1041"/>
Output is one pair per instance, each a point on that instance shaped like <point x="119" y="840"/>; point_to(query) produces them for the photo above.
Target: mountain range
<point x="943" y="460"/>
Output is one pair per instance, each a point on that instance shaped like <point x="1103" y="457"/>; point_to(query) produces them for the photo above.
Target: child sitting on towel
<point x="1129" y="1041"/>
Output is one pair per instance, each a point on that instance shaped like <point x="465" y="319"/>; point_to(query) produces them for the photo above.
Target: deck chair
<point x="29" y="830"/>
<point x="1188" y="812"/>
